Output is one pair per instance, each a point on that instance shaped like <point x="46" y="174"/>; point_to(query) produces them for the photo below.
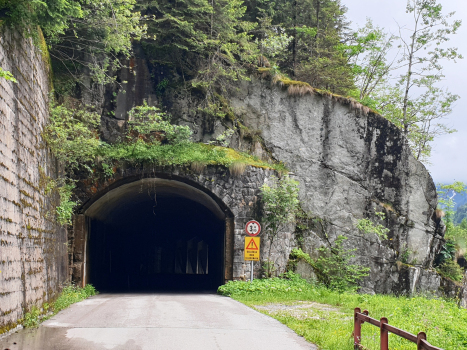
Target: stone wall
<point x="32" y="246"/>
<point x="239" y="195"/>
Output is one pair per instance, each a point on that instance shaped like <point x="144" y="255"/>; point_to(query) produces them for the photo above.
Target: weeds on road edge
<point x="69" y="295"/>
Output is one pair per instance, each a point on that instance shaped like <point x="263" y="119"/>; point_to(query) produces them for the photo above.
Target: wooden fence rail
<point x="362" y="317"/>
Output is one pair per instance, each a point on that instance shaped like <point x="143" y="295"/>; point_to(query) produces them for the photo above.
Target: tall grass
<point x="443" y="321"/>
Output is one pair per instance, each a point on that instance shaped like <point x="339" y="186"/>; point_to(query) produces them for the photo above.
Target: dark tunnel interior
<point x="164" y="242"/>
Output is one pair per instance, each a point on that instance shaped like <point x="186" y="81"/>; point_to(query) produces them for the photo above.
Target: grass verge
<point x="325" y="317"/>
<point x="68" y="296"/>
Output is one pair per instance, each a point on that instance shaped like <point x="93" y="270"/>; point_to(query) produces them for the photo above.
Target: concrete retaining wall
<point x="33" y="248"/>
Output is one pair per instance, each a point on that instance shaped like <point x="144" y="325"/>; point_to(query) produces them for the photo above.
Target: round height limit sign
<point x="252" y="228"/>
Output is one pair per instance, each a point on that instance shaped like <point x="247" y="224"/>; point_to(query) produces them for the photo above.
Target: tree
<point x="422" y="53"/>
<point x="368" y="54"/>
<point x="93" y="45"/>
<point x="455" y="235"/>
<point x="315" y="31"/>
<point x="205" y="42"/>
<point x="281" y="204"/>
<point x="87" y="37"/>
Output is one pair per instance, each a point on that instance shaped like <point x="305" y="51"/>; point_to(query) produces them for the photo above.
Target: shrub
<point x="281" y="206"/>
<point x="367" y="226"/>
<point x="71" y="295"/>
<point x="451" y="270"/>
<point x="334" y="269"/>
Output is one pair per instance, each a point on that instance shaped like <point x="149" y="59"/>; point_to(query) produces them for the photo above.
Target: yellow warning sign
<point x="252" y="248"/>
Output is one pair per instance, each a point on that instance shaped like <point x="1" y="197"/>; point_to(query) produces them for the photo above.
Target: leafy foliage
<point x="147" y="123"/>
<point x="7" y="75"/>
<point x="335" y="269"/>
<point x="446" y="195"/>
<point x="451" y="269"/>
<point x="415" y="103"/>
<point x="64" y="211"/>
<point x="456" y="235"/>
<point x="368" y="227"/>
<point x="72" y="135"/>
<point x="52" y="16"/>
<point x="287" y="283"/>
<point x="281" y="204"/>
<point x="84" y="36"/>
<point x="72" y="294"/>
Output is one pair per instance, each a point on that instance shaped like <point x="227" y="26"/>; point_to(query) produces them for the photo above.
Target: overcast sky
<point x="449" y="155"/>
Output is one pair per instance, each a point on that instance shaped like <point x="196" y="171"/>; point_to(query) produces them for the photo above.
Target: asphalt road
<point x="157" y="321"/>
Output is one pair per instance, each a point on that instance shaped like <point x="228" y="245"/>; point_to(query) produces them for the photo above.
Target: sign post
<point x="252" y="229"/>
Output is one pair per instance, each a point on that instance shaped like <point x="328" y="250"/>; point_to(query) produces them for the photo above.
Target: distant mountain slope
<point x="460" y="214"/>
<point x="460" y="200"/>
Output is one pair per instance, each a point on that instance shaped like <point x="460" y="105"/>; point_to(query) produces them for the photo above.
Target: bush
<point x="334" y="269"/>
<point x="451" y="270"/>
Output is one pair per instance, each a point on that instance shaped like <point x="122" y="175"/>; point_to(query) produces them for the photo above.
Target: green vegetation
<point x="461" y="214"/>
<point x="202" y="48"/>
<point x="456" y="235"/>
<point x="325" y="317"/>
<point x="367" y="226"/>
<point x="85" y="37"/>
<point x="72" y="136"/>
<point x="333" y="267"/>
<point x="7" y="75"/>
<point x="281" y="204"/>
<point x="68" y="296"/>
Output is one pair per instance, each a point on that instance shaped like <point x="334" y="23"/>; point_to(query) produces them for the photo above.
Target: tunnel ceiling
<point x="148" y="189"/>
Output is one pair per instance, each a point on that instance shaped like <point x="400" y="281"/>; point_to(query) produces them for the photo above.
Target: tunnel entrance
<point x="155" y="235"/>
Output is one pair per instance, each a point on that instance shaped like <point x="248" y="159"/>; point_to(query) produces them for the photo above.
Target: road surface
<point x="157" y="321"/>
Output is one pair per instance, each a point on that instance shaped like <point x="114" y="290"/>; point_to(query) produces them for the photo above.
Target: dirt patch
<point x="300" y="310"/>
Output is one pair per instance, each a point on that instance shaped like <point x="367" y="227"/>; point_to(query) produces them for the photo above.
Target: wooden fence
<point x="362" y="317"/>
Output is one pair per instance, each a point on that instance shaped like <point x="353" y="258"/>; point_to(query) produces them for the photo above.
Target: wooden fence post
<point x="384" y="334"/>
<point x="357" y="329"/>
<point x="420" y="336"/>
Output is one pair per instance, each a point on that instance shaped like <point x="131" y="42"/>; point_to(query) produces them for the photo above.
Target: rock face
<point x="349" y="165"/>
<point x="33" y="249"/>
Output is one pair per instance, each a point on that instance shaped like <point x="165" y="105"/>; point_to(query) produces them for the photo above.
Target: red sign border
<point x="246" y="228"/>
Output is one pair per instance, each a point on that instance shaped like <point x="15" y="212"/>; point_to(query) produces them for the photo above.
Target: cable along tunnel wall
<point x="170" y="229"/>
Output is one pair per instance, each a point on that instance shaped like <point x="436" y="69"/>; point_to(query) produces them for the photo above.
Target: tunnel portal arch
<point x="214" y="199"/>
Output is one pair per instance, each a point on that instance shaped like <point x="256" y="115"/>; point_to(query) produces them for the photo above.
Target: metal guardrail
<point x="362" y="317"/>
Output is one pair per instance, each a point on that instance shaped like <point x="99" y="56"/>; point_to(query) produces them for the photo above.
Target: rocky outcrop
<point x="350" y="163"/>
